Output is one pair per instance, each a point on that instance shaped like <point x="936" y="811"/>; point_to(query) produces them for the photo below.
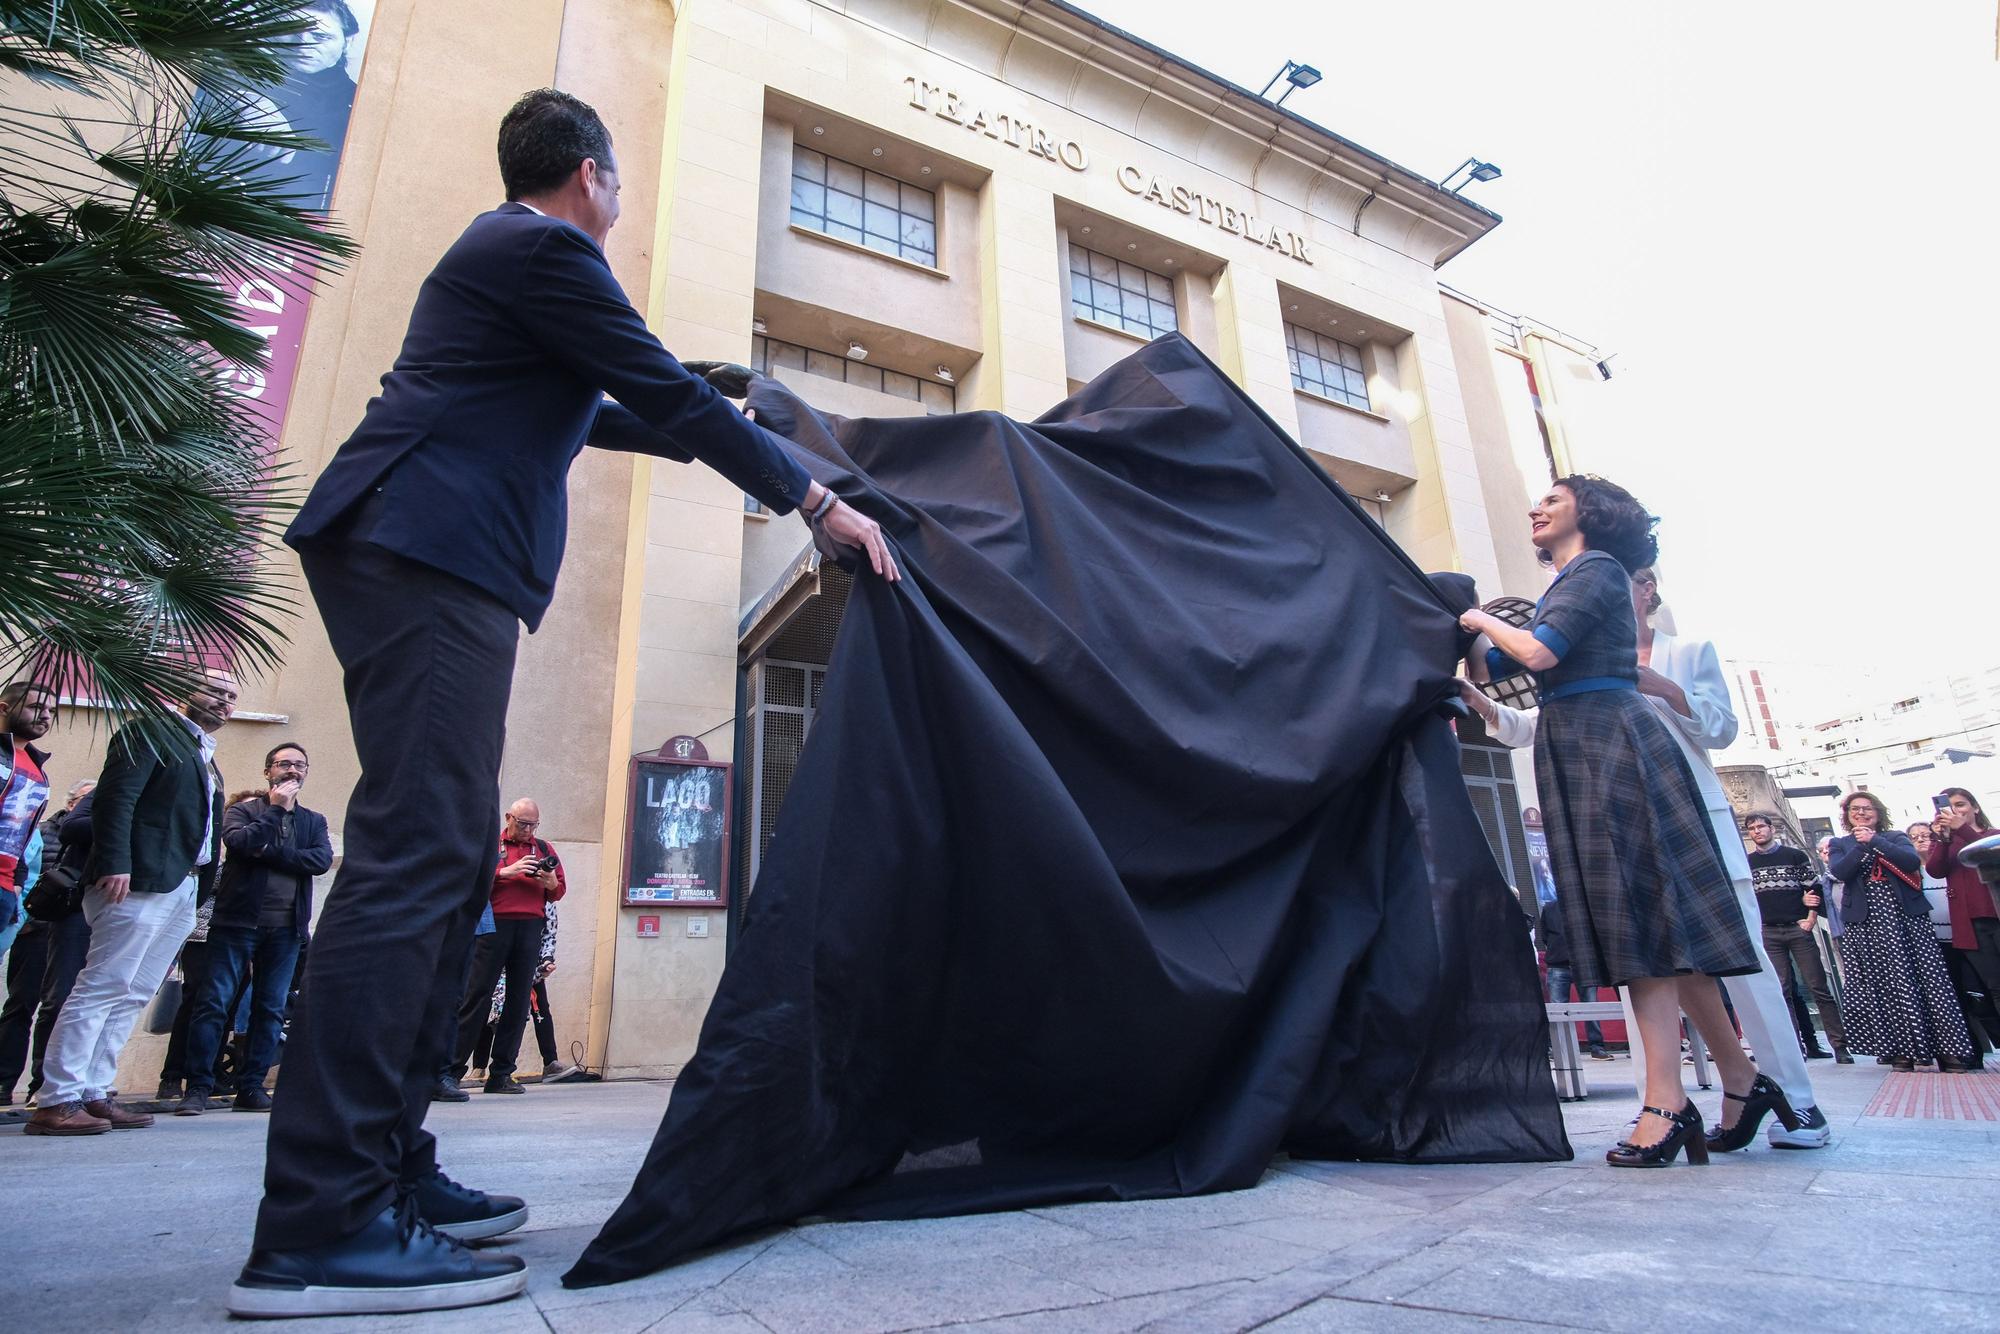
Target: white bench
<point x="1564" y="1016"/>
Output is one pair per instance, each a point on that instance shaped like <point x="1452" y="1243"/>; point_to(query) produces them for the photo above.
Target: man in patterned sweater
<point x="1788" y="899"/>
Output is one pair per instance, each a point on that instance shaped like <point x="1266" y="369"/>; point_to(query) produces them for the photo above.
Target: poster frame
<point x="670" y="756"/>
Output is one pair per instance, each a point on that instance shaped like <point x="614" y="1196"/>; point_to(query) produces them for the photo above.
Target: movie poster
<point x="677" y="854"/>
<point x="316" y="100"/>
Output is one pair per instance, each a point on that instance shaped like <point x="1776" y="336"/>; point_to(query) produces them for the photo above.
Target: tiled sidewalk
<point x="1892" y="1226"/>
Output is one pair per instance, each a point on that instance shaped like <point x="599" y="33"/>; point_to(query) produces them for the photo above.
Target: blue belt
<point x="1585" y="686"/>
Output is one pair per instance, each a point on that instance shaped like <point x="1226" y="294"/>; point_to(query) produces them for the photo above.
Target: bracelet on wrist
<point x="826" y="504"/>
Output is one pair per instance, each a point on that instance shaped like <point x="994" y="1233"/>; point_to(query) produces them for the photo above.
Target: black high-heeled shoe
<point x="1764" y="1097"/>
<point x="1686" y="1134"/>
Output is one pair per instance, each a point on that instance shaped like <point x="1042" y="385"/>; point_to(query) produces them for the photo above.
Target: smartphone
<point x="1941" y="802"/>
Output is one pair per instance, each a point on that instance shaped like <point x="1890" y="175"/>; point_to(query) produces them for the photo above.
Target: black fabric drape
<point x="1128" y="849"/>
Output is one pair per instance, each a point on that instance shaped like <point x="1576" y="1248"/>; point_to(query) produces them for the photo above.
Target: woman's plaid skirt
<point x="1643" y="886"/>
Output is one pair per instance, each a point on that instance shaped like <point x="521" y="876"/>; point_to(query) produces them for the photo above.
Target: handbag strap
<point x="1899" y="872"/>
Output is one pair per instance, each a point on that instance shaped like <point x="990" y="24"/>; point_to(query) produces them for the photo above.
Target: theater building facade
<point x="895" y="207"/>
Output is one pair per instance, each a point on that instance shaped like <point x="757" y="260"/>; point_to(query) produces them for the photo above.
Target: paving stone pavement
<point x="1892" y="1226"/>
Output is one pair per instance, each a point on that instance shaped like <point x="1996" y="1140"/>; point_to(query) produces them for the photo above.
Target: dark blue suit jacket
<point x="517" y="335"/>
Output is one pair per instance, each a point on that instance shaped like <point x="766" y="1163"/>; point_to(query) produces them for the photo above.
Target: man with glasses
<point x="262" y="908"/>
<point x="529" y="877"/>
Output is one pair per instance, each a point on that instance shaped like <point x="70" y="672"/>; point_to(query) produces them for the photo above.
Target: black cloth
<point x="1127" y="851"/>
<point x="1555" y="942"/>
<point x="515" y="336"/>
<point x="69" y="948"/>
<point x="514" y="947"/>
<point x="428" y="662"/>
<point x="1643" y="887"/>
<point x="544" y="1026"/>
<point x="152" y="806"/>
<point x="1782" y="877"/>
<point x="273" y="853"/>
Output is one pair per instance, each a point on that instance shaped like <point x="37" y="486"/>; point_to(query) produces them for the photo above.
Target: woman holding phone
<point x="1899" y="1001"/>
<point x="1975" y="923"/>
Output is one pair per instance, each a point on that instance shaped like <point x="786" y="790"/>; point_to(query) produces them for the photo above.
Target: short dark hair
<point x="275" y="751"/>
<point x="1612" y="520"/>
<point x="1756" y="817"/>
<point x="544" y="137"/>
<point x="14" y="692"/>
<point x="336" y="10"/>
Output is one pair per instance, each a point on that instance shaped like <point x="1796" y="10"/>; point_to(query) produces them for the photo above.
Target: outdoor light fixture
<point x="856" y="352"/>
<point x="1481" y="171"/>
<point x="1604" y="366"/>
<point x="1297" y="75"/>
<point x="757" y="324"/>
<point x="944" y="375"/>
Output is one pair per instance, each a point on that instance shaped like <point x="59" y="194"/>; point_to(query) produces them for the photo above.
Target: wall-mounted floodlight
<point x="1297" y="75"/>
<point x="1480" y="171"/>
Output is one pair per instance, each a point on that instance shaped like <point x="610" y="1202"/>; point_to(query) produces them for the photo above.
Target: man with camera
<point x="529" y="877"/>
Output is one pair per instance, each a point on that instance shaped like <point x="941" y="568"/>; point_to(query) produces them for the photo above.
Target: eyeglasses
<point x="298" y="766"/>
<point x="519" y="823"/>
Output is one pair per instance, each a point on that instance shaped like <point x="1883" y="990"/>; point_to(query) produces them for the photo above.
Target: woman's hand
<point x="1864" y="836"/>
<point x="1661" y="687"/>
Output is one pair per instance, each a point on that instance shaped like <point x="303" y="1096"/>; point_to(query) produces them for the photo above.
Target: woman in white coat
<point x="1682" y="679"/>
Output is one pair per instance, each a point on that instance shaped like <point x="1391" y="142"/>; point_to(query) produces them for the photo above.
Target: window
<point x="1124" y="296"/>
<point x="841" y="200"/>
<point x="767" y="353"/>
<point x="1326" y="366"/>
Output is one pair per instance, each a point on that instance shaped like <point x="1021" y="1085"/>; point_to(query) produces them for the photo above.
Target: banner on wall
<point x="316" y="100"/>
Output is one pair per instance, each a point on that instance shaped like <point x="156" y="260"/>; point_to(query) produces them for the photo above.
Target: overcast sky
<point x="1785" y="219"/>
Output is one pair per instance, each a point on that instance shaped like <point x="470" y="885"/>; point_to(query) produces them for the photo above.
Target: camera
<point x="545" y="863"/>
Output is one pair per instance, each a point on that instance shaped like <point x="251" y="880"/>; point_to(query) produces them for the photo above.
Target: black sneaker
<point x="462" y="1212"/>
<point x="397" y="1263"/>
<point x="447" y="1090"/>
<point x="1818" y="1054"/>
<point x="170" y="1091"/>
<point x="1813" y="1131"/>
<point x="194" y="1104"/>
<point x="505" y="1084"/>
<point x="1598" y="1053"/>
<point x="251" y="1100"/>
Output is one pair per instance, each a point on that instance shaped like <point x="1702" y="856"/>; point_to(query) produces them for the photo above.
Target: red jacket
<point x="1964" y="891"/>
<point x="518" y="896"/>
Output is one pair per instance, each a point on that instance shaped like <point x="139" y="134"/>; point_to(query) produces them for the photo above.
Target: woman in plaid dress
<point x="1899" y="1001"/>
<point x="1646" y="897"/>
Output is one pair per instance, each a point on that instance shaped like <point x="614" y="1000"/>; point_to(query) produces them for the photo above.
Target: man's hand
<point x="1661" y="687"/>
<point x="116" y="888"/>
<point x="285" y="795"/>
<point x="1811" y="900"/>
<point x="514" y="870"/>
<point x="850" y="527"/>
<point x="547" y="880"/>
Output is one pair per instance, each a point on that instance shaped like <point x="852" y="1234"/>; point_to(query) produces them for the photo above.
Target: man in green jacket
<point x="157" y="823"/>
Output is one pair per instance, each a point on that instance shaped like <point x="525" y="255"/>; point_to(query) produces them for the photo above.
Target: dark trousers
<point x="238" y="956"/>
<point x="1560" y="986"/>
<point x="194" y="980"/>
<point x="516" y="950"/>
<point x="475" y="961"/>
<point x="27" y="964"/>
<point x="427" y="663"/>
<point x="538" y="1017"/>
<point x="64" y="948"/>
<point x="1976" y="974"/>
<point x="1790" y="947"/>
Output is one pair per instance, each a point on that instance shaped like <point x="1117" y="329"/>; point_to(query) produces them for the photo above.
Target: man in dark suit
<point x="437" y="526"/>
<point x="156" y="829"/>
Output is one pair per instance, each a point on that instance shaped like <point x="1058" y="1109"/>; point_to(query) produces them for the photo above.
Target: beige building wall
<point x="1033" y="128"/>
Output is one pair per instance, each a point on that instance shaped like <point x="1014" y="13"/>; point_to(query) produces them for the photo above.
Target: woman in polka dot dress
<point x="1899" y="1001"/>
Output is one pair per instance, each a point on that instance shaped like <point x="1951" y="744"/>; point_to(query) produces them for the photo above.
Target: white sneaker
<point x="1813" y="1132"/>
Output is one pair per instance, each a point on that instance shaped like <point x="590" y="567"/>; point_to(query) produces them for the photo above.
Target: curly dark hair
<point x="1613" y="521"/>
<point x="544" y="137"/>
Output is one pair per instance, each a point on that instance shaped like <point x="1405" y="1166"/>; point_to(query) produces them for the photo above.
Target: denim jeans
<point x="1560" y="981"/>
<point x="267" y="957"/>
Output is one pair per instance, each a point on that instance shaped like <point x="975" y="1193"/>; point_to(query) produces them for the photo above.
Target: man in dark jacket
<point x="156" y="831"/>
<point x="28" y="962"/>
<point x="436" y="530"/>
<point x="263" y="905"/>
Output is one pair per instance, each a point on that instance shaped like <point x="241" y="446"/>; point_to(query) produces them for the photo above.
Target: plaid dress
<point x="1643" y="886"/>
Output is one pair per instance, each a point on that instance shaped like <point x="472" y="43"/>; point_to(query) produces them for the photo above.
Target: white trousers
<point x="132" y="944"/>
<point x="1759" y="1001"/>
